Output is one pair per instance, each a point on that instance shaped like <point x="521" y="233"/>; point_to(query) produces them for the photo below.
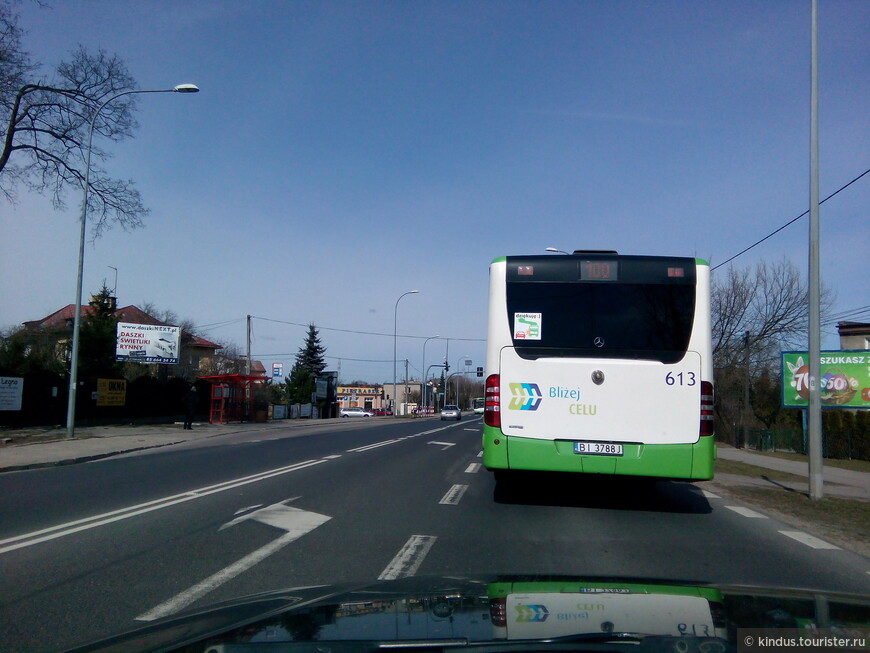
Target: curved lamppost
<point x="395" y="340"/>
<point x="77" y="311"/>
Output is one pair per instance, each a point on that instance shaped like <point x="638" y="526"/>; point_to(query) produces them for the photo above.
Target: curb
<point x="85" y="459"/>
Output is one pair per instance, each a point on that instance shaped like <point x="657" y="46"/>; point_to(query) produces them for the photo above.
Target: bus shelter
<point x="232" y="397"/>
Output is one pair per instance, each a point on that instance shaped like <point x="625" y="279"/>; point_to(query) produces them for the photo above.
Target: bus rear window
<point x="651" y="321"/>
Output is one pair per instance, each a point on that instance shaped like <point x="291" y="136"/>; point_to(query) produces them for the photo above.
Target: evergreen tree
<point x="97" y="339"/>
<point x="309" y="364"/>
<point x="310" y="356"/>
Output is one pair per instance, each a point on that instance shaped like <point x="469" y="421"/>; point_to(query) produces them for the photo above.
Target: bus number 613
<point x="680" y="378"/>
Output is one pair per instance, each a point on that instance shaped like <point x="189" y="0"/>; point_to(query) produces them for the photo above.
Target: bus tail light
<point x="491" y="401"/>
<point x="707" y="408"/>
<point x="498" y="612"/>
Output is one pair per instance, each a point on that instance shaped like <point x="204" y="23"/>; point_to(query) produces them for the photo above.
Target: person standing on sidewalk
<point x="191" y="402"/>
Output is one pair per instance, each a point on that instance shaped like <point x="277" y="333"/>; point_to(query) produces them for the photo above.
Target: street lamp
<point x="77" y="314"/>
<point x="555" y="251"/>
<point x="395" y="340"/>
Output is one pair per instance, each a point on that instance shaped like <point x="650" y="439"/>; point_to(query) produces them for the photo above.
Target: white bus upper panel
<point x="618" y="358"/>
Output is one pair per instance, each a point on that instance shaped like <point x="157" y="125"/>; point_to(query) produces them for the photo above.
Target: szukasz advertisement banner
<point x="147" y="343"/>
<point x="845" y="379"/>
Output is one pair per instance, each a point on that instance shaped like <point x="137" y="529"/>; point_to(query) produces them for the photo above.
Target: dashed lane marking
<point x="453" y="496"/>
<point x="746" y="512"/>
<point x="409" y="558"/>
<point x="710" y="495"/>
<point x="810" y="540"/>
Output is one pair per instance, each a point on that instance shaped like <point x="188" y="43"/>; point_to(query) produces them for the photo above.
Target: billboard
<point x="111" y="392"/>
<point x="845" y="379"/>
<point x="11" y="391"/>
<point x="147" y="343"/>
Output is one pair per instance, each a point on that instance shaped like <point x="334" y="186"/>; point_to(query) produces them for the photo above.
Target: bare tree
<point x="44" y="135"/>
<point x="769" y="302"/>
<point x="757" y="312"/>
<point x="168" y="316"/>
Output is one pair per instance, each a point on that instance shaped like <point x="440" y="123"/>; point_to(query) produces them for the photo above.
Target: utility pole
<point x="745" y="390"/>
<point x="815" y="453"/>
<point x="406" y="386"/>
<point x="248" y="349"/>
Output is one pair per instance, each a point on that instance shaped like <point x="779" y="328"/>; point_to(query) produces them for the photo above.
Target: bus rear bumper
<point x="677" y="461"/>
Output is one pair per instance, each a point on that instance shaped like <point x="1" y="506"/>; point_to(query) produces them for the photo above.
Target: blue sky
<point x="340" y="154"/>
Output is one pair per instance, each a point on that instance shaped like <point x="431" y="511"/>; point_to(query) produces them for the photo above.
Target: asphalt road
<point x="92" y="549"/>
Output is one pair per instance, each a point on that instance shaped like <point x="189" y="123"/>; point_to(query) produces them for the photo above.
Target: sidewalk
<point x="48" y="447"/>
<point x="838" y="482"/>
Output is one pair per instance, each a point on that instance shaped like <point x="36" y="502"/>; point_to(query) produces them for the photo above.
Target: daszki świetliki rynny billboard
<point x="147" y="343"/>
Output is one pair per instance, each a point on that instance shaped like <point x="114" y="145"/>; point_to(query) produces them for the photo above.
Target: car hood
<point x="499" y="613"/>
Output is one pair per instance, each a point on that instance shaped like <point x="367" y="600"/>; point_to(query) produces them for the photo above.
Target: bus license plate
<point x="598" y="448"/>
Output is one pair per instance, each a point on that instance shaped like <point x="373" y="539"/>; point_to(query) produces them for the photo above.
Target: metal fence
<point x="843" y="444"/>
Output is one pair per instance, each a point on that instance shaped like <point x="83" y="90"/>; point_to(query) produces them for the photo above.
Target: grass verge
<point x="844" y="522"/>
<point x="854" y="465"/>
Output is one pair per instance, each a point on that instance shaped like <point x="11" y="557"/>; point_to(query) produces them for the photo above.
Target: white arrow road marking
<point x="294" y="521"/>
<point x="444" y="445"/>
<point x="241" y="510"/>
<point x="409" y="558"/>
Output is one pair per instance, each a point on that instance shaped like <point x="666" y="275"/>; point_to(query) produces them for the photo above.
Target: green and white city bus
<point x="599" y="363"/>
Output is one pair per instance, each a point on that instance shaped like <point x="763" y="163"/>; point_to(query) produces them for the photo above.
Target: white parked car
<point x="355" y="412"/>
<point x="451" y="411"/>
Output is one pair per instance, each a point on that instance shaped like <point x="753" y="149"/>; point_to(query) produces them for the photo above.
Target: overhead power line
<point x="790" y="222"/>
<point x="862" y="312"/>
<point x="361" y="333"/>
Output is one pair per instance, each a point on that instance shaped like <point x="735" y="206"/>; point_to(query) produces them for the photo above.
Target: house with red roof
<point x="197" y="355"/>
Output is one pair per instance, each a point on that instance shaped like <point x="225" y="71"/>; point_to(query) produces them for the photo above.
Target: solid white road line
<point x="746" y="512"/>
<point x="454" y="494"/>
<point x="68" y="528"/>
<point x="409" y="558"/>
<point x="809" y="540"/>
<point x="373" y="446"/>
<point x="61" y="530"/>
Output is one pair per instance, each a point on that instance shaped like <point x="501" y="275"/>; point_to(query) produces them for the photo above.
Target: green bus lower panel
<point x="681" y="461"/>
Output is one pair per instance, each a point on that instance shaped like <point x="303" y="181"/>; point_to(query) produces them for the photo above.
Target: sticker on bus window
<point x="527" y="326"/>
